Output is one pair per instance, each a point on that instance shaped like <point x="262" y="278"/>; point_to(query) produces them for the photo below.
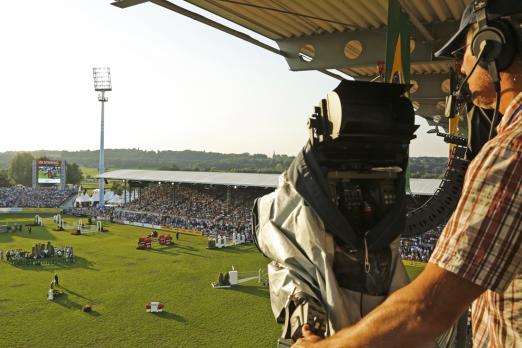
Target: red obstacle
<point x="148" y="242"/>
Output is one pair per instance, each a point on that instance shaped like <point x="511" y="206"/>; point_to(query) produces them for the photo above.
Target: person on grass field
<point x="478" y="258"/>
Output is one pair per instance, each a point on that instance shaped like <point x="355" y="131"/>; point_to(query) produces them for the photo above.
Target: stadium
<point x="198" y="206"/>
<point x="135" y="247"/>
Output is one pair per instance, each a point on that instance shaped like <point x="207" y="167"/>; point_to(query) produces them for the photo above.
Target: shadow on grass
<point x="250" y="289"/>
<point x="37" y="233"/>
<point x="69" y="291"/>
<point x="171" y="316"/>
<point x="175" y="251"/>
<point x="64" y="301"/>
<point x="93" y="313"/>
<point x="232" y="250"/>
<point x="79" y="262"/>
<point x="185" y="247"/>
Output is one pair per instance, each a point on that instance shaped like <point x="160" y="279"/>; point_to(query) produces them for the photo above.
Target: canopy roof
<point x="418" y="186"/>
<point x="341" y="37"/>
<point x="208" y="178"/>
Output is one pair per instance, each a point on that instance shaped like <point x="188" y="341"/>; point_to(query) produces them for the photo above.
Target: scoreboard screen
<point x="49" y="171"/>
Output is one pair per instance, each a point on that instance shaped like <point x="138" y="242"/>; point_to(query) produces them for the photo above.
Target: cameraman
<point x="478" y="257"/>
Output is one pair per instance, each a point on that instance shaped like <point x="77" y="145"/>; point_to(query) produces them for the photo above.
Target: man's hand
<point x="409" y="317"/>
<point x="309" y="338"/>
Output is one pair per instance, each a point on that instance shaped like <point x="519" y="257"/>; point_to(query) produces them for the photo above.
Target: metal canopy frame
<point x="327" y="26"/>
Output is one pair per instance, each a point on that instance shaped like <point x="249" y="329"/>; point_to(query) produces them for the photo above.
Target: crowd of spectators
<point x="419" y="248"/>
<point x="8" y="197"/>
<point x="105" y="212"/>
<point x="21" y="196"/>
<point x="216" y="210"/>
<point x="211" y="210"/>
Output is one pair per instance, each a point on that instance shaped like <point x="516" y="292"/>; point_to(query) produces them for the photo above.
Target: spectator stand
<point x="20" y="196"/>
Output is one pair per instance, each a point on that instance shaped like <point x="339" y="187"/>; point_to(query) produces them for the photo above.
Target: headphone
<point x="495" y="42"/>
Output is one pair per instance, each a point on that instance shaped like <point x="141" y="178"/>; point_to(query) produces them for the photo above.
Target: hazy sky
<point x="178" y="84"/>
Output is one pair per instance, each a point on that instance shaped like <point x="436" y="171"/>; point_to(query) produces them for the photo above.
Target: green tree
<point x="172" y="167"/>
<point x="74" y="174"/>
<point x="4" y="179"/>
<point x="21" y="169"/>
<point x="117" y="187"/>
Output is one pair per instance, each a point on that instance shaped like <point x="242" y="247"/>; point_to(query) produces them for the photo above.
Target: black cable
<point x="479" y="57"/>
<point x="495" y="114"/>
<point x="361" y="305"/>
<point x="287" y="12"/>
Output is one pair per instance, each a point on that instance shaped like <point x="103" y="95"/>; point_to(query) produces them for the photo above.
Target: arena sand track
<point x="119" y="280"/>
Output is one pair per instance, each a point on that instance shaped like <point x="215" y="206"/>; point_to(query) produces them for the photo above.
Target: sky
<point x="177" y="84"/>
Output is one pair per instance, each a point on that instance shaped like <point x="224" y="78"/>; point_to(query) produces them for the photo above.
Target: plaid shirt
<point x="482" y="240"/>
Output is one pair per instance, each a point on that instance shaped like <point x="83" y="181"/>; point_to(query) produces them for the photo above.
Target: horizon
<point x="152" y="150"/>
<point x="171" y="91"/>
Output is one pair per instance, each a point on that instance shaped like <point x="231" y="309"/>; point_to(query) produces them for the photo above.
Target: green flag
<point x="397" y="45"/>
<point x="397" y="65"/>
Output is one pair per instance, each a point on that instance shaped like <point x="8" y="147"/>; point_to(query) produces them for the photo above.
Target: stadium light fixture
<point x="102" y="83"/>
<point x="102" y="79"/>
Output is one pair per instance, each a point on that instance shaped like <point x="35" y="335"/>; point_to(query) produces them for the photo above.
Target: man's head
<point x="496" y="40"/>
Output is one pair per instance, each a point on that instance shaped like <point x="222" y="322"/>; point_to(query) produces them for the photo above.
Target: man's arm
<point x="412" y="315"/>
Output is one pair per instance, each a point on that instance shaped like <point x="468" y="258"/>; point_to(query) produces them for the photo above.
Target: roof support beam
<point x="329" y="49"/>
<point x="202" y="19"/>
<point x="127" y="3"/>
<point x="417" y="23"/>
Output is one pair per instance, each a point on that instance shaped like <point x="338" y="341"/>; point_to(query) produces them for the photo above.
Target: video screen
<point x="49" y="172"/>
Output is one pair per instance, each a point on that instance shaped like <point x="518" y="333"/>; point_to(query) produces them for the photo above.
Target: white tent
<point x="108" y="195"/>
<point x="78" y="201"/>
<point x="116" y="199"/>
<point x="95" y="196"/>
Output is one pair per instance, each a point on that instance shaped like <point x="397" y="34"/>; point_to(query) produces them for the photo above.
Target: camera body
<point x="329" y="225"/>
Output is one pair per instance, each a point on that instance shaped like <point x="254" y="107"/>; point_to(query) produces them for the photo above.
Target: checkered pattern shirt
<point x="482" y="240"/>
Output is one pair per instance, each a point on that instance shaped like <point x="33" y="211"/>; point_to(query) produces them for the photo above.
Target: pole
<point x="102" y="153"/>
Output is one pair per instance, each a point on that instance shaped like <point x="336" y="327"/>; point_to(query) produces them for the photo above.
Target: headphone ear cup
<point x="510" y="47"/>
<point x="490" y="41"/>
<point x="494" y="37"/>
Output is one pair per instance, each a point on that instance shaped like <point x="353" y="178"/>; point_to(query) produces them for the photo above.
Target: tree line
<point x="15" y="167"/>
<point x="20" y="171"/>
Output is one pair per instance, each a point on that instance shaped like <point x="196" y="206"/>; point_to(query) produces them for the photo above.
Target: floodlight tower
<point x="102" y="83"/>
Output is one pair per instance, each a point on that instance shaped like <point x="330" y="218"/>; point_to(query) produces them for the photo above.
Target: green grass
<point x="119" y="280"/>
<point x="92" y="183"/>
<point x="93" y="172"/>
<point x="414" y="270"/>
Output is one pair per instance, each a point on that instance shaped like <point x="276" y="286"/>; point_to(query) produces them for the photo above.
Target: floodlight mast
<point x="102" y="83"/>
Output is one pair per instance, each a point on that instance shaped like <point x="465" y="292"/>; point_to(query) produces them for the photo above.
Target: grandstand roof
<point x="209" y="178"/>
<point x="418" y="186"/>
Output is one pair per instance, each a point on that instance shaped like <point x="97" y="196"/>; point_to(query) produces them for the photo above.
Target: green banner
<point x="397" y="45"/>
<point x="397" y="65"/>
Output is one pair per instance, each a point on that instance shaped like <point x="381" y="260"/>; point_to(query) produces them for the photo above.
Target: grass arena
<point x="118" y="281"/>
